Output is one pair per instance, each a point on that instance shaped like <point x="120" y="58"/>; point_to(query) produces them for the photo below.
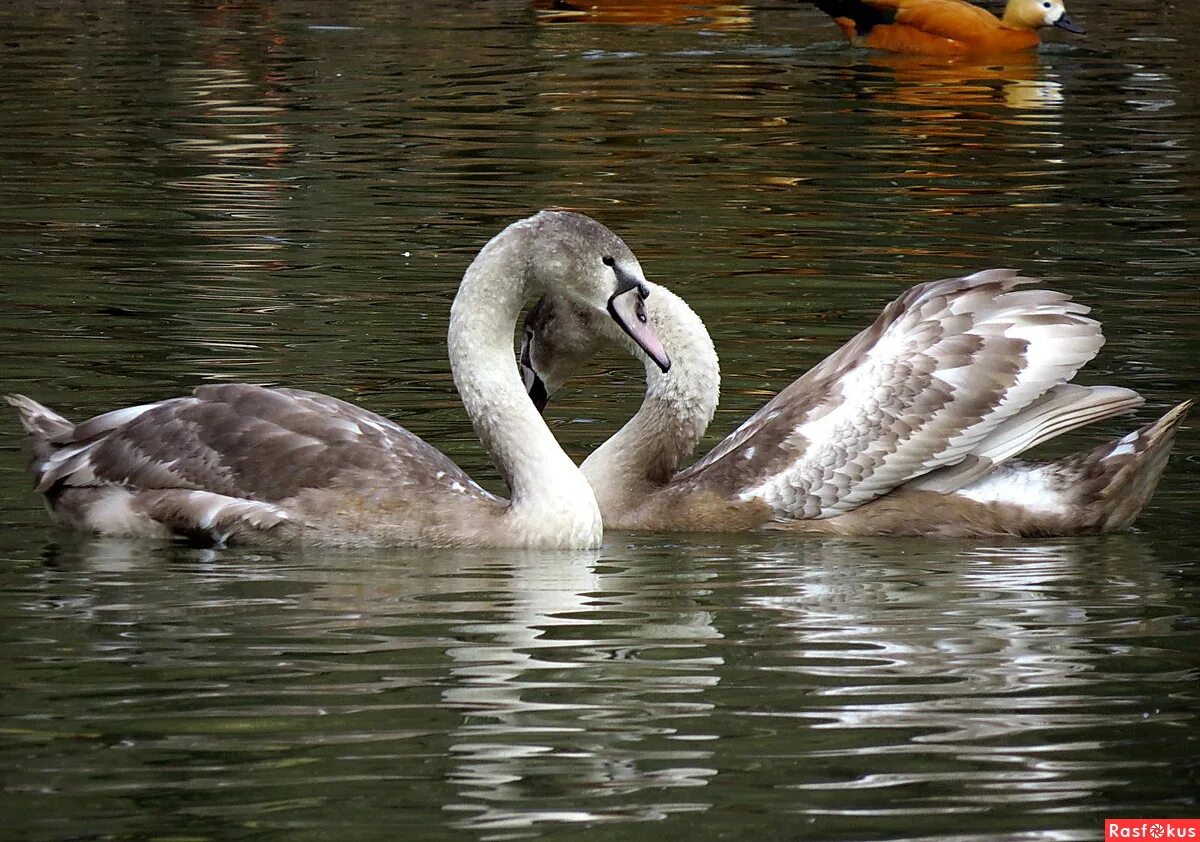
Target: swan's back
<point x="235" y="459"/>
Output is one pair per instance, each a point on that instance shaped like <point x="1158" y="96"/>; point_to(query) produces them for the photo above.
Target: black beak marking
<point x="537" y="393"/>
<point x="626" y="282"/>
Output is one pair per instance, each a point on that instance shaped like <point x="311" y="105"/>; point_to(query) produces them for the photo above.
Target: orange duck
<point x="944" y="27"/>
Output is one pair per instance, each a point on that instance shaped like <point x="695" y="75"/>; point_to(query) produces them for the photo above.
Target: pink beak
<point x="627" y="310"/>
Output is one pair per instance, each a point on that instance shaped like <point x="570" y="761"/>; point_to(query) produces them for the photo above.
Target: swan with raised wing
<point x="911" y="428"/>
<point x="238" y="462"/>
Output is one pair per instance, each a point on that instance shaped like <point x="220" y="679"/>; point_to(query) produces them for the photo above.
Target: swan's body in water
<point x="909" y="429"/>
<point x="244" y="463"/>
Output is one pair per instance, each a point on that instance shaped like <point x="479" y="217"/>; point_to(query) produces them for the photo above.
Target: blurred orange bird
<point x="944" y="27"/>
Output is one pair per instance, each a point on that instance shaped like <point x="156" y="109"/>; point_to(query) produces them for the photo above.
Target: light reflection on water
<point x="290" y="196"/>
<point x="535" y="689"/>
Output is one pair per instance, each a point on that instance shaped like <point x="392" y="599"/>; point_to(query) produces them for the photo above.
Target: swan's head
<point x="559" y="338"/>
<point x="1034" y="14"/>
<point x="578" y="259"/>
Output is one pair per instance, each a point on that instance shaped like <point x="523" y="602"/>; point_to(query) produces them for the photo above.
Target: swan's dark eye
<point x="608" y="261"/>
<point x="640" y="310"/>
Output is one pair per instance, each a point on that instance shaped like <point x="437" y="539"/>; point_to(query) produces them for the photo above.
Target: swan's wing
<point x="246" y="442"/>
<point x="1064" y="407"/>
<point x="941" y="367"/>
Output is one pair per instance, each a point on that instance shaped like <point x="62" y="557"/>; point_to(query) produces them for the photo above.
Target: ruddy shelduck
<point x="945" y="27"/>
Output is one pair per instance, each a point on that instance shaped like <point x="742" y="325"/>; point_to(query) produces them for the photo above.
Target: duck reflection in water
<point x="937" y="95"/>
<point x="644" y="12"/>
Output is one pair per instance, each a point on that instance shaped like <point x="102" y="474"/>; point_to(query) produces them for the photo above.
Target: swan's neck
<point x="678" y="406"/>
<point x="551" y="503"/>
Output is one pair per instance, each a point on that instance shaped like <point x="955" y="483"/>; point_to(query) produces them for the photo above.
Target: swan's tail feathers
<point x="1099" y="490"/>
<point x="47" y="430"/>
<point x="41" y="423"/>
<point x="1064" y="407"/>
<point x="1117" y="479"/>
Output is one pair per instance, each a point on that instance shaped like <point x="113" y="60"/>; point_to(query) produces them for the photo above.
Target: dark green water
<point x="288" y="193"/>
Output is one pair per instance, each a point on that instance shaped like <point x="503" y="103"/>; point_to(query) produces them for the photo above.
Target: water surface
<point x="289" y="193"/>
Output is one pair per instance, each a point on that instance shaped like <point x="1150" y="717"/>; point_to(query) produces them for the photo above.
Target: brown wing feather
<point x="942" y="366"/>
<point x="249" y="442"/>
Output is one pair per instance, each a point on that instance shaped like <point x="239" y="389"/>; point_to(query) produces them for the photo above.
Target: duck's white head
<point x="1034" y="14"/>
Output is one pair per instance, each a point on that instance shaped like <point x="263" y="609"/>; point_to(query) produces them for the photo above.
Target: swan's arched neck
<point x="678" y="406"/>
<point x="550" y="499"/>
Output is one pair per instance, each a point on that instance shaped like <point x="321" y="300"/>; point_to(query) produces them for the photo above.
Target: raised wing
<point x="942" y="366"/>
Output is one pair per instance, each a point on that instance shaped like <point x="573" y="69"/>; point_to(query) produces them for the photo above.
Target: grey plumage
<point x="910" y="428"/>
<point x="941" y="367"/>
<point x="274" y="466"/>
<point x="220" y="461"/>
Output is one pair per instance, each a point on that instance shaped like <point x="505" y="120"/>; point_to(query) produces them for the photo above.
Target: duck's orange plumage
<point x="944" y="27"/>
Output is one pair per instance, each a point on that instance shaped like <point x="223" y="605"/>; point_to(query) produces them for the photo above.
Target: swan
<point x="243" y="463"/>
<point x="909" y="429"/>
<point x="944" y="27"/>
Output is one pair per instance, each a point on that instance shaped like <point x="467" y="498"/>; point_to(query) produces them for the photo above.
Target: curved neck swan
<point x="910" y="428"/>
<point x="239" y="462"/>
<point x="550" y="499"/>
<point x="676" y="410"/>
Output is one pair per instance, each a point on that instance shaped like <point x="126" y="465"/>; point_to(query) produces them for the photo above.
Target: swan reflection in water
<point x="619" y="685"/>
<point x="1023" y="667"/>
<point x="581" y="685"/>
